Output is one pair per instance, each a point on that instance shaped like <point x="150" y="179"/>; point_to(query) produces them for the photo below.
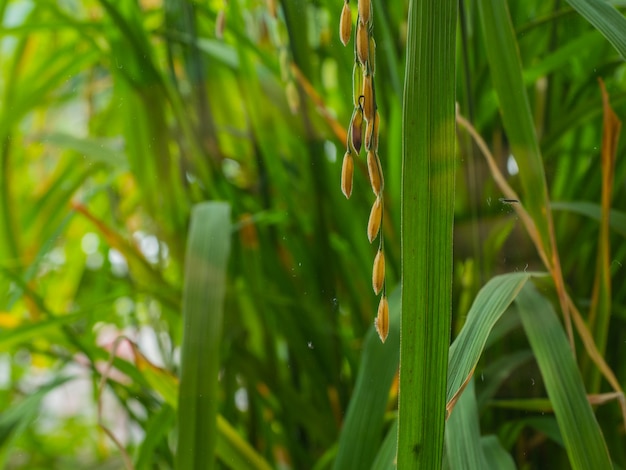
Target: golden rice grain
<point x="375" y="172"/>
<point x="365" y="10"/>
<point x="362" y="43"/>
<point x="371" y="133"/>
<point x="347" y="170"/>
<point x="345" y="24"/>
<point x="369" y="107"/>
<point x="356" y="130"/>
<point x="376" y="216"/>
<point x="382" y="319"/>
<point x="378" y="272"/>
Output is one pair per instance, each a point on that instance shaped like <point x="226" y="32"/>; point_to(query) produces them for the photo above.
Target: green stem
<point x="427" y="217"/>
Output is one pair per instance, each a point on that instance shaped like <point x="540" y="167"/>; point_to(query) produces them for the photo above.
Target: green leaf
<point x="108" y="151"/>
<point x="15" y="419"/>
<point x="386" y="457"/>
<point x="581" y="433"/>
<point x="497" y="457"/>
<point x="506" y="72"/>
<point x="593" y="211"/>
<point x="206" y="262"/>
<point x="606" y="19"/>
<point x="428" y="165"/>
<point x="463" y="434"/>
<point x="157" y="428"/>
<point x="362" y="430"/>
<point x="490" y="303"/>
<point x="28" y="332"/>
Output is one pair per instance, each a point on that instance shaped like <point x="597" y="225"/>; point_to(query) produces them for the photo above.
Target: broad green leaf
<point x="428" y="166"/>
<point x="581" y="433"/>
<point x="362" y="430"/>
<point x="606" y="19"/>
<point x="490" y="303"/>
<point x="463" y="445"/>
<point x="206" y="264"/>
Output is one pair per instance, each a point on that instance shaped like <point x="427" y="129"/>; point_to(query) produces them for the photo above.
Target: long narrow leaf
<point x="208" y="248"/>
<point x="427" y="215"/>
<point x="463" y="434"/>
<point x="489" y="305"/>
<point x="581" y="433"/>
<point x="606" y="19"/>
<point x="362" y="430"/>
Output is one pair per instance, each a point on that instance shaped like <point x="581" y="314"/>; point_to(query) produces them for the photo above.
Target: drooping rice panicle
<point x="366" y="111"/>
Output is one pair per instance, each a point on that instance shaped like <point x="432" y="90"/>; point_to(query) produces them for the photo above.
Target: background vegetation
<point x="119" y="120"/>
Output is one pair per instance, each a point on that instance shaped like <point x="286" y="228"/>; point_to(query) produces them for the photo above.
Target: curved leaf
<point x="581" y="433"/>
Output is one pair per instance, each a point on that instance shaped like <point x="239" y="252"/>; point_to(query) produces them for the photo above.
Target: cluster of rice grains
<point x="365" y="112"/>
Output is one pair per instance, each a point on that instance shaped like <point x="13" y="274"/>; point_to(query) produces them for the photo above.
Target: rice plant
<point x="184" y="283"/>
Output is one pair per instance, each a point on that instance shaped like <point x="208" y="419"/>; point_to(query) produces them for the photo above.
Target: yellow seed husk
<point x="371" y="133"/>
<point x="378" y="273"/>
<point x="368" y="98"/>
<point x="375" y="172"/>
<point x="368" y="134"/>
<point x="376" y="216"/>
<point x="362" y="43"/>
<point x="365" y="10"/>
<point x="347" y="169"/>
<point x="372" y="55"/>
<point x="345" y="24"/>
<point x="357" y="83"/>
<point x="382" y="319"/>
<point x="356" y="127"/>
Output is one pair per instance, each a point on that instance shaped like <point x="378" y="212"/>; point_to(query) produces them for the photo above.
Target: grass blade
<point x="497" y="457"/>
<point x="581" y="433"/>
<point x="427" y="216"/>
<point x="606" y="19"/>
<point x="506" y="73"/>
<point x="362" y="429"/>
<point x="490" y="303"/>
<point x="208" y="249"/>
<point x="463" y="434"/>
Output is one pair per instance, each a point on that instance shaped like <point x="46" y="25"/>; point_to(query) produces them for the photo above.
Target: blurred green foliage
<point x="118" y="117"/>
